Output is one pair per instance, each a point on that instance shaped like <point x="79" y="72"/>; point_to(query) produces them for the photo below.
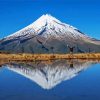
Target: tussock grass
<point x="26" y="57"/>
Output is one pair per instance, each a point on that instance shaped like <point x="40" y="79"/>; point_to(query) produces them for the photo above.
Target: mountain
<point x="48" y="75"/>
<point x="48" y="35"/>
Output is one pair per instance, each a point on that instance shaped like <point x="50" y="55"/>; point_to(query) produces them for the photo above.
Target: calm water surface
<point x="50" y="80"/>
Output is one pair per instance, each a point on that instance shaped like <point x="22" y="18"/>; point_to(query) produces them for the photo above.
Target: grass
<point x="32" y="57"/>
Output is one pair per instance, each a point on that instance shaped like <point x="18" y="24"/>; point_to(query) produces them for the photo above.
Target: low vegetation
<point x="33" y="57"/>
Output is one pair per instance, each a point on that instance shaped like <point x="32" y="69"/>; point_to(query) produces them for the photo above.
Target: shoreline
<point x="24" y="56"/>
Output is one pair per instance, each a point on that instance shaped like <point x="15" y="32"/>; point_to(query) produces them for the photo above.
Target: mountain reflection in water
<point x="48" y="74"/>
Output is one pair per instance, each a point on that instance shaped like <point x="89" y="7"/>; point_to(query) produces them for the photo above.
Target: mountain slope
<point x="47" y="35"/>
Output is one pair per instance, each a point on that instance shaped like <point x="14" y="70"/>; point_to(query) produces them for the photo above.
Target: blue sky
<point x="83" y="14"/>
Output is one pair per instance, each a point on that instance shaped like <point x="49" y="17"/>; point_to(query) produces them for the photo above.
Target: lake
<point x="50" y="80"/>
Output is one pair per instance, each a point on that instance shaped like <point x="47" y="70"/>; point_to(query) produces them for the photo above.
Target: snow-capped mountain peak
<point x="46" y="24"/>
<point x="50" y="22"/>
<point x="45" y="32"/>
<point x="47" y="18"/>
